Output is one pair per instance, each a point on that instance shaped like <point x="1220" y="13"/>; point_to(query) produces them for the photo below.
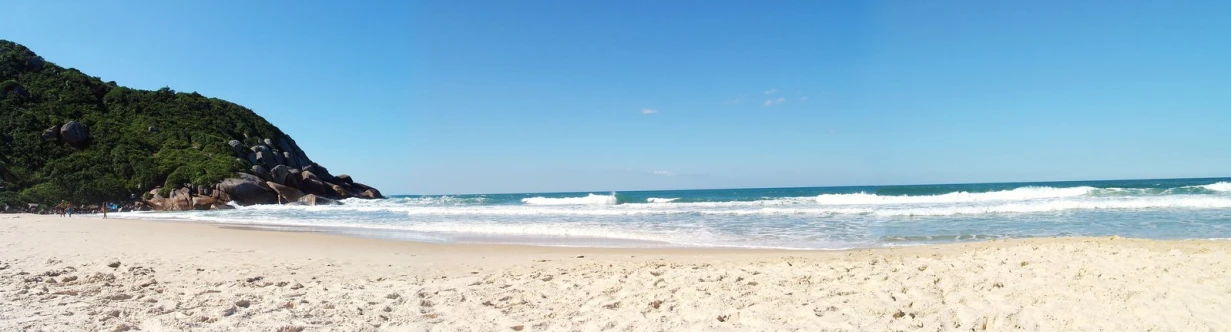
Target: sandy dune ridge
<point x="72" y="274"/>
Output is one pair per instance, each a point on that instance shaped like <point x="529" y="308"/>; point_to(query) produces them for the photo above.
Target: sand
<point x="74" y="274"/>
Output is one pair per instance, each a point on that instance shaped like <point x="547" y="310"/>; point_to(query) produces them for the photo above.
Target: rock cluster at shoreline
<point x="281" y="173"/>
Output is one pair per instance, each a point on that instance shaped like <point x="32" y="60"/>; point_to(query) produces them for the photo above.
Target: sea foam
<point x="1023" y="193"/>
<point x="590" y="199"/>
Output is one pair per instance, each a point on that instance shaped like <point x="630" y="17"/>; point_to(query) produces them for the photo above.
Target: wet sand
<point x="71" y="274"/>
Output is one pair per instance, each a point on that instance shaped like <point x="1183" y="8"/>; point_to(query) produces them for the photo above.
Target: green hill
<point x="134" y="140"/>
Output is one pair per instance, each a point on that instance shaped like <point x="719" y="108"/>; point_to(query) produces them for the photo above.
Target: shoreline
<point x="202" y="277"/>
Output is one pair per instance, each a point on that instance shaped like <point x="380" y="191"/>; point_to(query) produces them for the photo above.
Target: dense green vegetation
<point x="124" y="156"/>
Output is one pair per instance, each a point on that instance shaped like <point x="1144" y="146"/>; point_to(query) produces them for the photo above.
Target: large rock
<point x="203" y="202"/>
<point x="261" y="172"/>
<point x="248" y="191"/>
<point x="320" y="171"/>
<point x="312" y="200"/>
<point x="289" y="160"/>
<point x="218" y="194"/>
<point x="285" y="194"/>
<point x="74" y="133"/>
<point x="265" y="158"/>
<point x="238" y="148"/>
<point x="337" y="191"/>
<point x="343" y="179"/>
<point x="368" y="192"/>
<point x="371" y="193"/>
<point x="316" y="187"/>
<point x="298" y="159"/>
<point x="205" y="191"/>
<point x="251" y="178"/>
<point x="279" y="173"/>
<point x="293" y="178"/>
<point x="179" y="200"/>
<point x="52" y="134"/>
<point x="154" y="200"/>
<point x="35" y="62"/>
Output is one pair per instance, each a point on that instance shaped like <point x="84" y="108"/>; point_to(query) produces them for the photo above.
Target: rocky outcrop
<point x="237" y="147"/>
<point x="52" y="134"/>
<point x="260" y="172"/>
<point x="344" y="179"/>
<point x="74" y="133"/>
<point x="285" y="194"/>
<point x="279" y="173"/>
<point x="177" y="200"/>
<point x="312" y="200"/>
<point x="35" y="62"/>
<point x="248" y="190"/>
<point x="203" y="202"/>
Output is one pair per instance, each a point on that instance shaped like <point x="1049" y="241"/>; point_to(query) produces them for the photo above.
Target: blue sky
<point x="526" y="96"/>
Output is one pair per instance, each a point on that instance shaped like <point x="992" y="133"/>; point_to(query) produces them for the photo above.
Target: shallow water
<point x="790" y="218"/>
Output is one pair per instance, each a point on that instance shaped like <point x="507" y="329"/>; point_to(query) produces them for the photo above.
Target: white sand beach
<point x="89" y="274"/>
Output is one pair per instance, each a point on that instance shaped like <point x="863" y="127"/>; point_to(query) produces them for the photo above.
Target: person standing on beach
<point x="69" y="209"/>
<point x="104" y="210"/>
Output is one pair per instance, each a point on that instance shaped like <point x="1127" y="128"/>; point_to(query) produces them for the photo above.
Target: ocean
<point x="783" y="218"/>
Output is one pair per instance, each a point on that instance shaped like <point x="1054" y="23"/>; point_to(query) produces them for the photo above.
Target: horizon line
<point x="801" y="187"/>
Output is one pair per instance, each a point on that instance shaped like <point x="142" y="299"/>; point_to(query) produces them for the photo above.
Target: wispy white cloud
<point x="771" y="91"/>
<point x="772" y="102"/>
<point x="733" y="101"/>
<point x="805" y="98"/>
<point x="649" y="111"/>
<point x="664" y="173"/>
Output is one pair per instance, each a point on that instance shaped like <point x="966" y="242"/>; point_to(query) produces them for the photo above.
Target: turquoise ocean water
<point x="793" y="218"/>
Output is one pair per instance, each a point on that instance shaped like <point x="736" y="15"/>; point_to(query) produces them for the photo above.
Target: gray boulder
<point x="251" y="178"/>
<point x="52" y="134"/>
<point x="247" y="191"/>
<point x="366" y="191"/>
<point x="312" y="200"/>
<point x="320" y="171"/>
<point x="261" y="172"/>
<point x="238" y="147"/>
<point x="343" y="179"/>
<point x="265" y="158"/>
<point x="285" y="194"/>
<point x="279" y="173"/>
<point x="203" y="202"/>
<point x="74" y="133"/>
<point x="315" y="186"/>
<point x="338" y="192"/>
<point x="288" y="160"/>
<point x="205" y="191"/>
